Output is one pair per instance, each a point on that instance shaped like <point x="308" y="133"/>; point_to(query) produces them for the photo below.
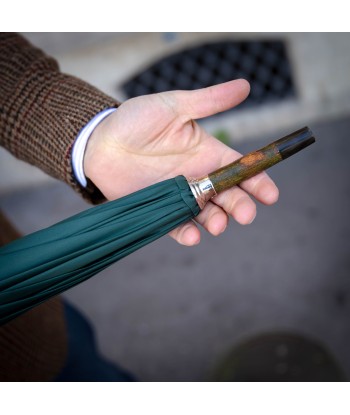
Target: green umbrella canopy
<point x="47" y="262"/>
<point x="50" y="261"/>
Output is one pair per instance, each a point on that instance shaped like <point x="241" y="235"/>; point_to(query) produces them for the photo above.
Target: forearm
<point x="43" y="110"/>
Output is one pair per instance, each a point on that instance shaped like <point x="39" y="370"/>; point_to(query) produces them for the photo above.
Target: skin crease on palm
<point x="155" y="137"/>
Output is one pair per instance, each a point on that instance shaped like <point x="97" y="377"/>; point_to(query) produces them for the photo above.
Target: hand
<point x="154" y="137"/>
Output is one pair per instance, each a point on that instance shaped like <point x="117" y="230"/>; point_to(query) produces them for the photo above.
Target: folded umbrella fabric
<point x="50" y="261"/>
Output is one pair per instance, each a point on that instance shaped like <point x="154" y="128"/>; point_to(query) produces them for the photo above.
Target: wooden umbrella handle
<point x="260" y="160"/>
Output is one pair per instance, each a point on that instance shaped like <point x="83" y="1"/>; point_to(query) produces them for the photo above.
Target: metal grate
<point x="264" y="64"/>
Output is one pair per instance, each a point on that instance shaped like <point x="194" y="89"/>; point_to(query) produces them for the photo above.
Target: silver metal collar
<point x="202" y="189"/>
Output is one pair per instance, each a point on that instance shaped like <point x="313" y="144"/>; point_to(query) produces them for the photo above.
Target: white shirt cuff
<point x="80" y="143"/>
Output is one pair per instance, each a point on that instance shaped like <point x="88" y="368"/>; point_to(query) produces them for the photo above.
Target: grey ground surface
<point x="170" y="313"/>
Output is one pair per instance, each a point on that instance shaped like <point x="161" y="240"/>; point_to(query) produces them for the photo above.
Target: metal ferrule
<point x="202" y="189"/>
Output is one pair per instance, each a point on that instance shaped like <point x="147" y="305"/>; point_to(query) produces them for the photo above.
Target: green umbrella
<point x="50" y="261"/>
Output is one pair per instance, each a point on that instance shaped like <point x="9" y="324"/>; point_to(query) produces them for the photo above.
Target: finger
<point x="213" y="219"/>
<point x="187" y="234"/>
<point x="237" y="203"/>
<point x="208" y="101"/>
<point x="262" y="187"/>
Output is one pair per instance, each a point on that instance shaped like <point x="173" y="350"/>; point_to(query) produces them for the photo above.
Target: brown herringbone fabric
<point x="41" y="113"/>
<point x="43" y="110"/>
<point x="33" y="347"/>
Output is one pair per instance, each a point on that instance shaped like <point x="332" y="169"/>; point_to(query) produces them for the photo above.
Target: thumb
<point x="208" y="101"/>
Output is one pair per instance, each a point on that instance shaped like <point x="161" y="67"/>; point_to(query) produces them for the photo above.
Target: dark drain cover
<point x="264" y="64"/>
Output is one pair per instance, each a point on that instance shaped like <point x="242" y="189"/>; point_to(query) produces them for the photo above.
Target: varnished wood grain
<point x="245" y="167"/>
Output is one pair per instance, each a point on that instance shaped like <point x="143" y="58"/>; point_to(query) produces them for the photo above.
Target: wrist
<point x="82" y="142"/>
<point x="94" y="152"/>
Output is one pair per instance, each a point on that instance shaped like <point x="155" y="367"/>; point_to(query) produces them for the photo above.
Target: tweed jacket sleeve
<point x="43" y="110"/>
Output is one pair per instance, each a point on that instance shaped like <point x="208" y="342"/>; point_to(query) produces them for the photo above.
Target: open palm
<point x="154" y="137"/>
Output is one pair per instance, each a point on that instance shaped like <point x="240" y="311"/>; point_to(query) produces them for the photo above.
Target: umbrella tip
<point x="292" y="143"/>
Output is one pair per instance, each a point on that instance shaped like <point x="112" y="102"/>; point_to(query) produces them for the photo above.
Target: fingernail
<point x="269" y="193"/>
<point x="189" y="236"/>
<point x="217" y="230"/>
<point x="252" y="219"/>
